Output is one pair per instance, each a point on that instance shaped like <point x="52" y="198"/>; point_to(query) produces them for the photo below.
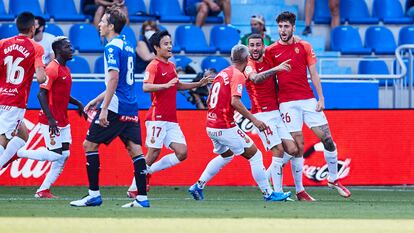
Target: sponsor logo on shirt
<point x="239" y="88"/>
<point x="163" y="74"/>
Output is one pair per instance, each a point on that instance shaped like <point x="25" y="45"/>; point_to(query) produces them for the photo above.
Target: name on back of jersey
<point x="17" y="47"/>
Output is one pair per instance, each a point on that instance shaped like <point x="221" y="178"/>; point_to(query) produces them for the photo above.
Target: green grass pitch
<point x="225" y="209"/>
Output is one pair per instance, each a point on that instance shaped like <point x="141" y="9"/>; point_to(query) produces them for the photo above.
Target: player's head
<point x="62" y="48"/>
<point x="239" y="56"/>
<point x="112" y="22"/>
<point x="286" y="24"/>
<point x="25" y="23"/>
<point x="257" y="24"/>
<point x="256" y="46"/>
<point x="161" y="42"/>
<point x="40" y="24"/>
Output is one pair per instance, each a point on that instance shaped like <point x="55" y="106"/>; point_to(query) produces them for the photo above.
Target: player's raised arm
<point x="186" y="86"/>
<point x="262" y="76"/>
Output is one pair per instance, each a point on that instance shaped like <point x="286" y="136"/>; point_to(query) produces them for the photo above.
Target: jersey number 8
<point x="214" y="95"/>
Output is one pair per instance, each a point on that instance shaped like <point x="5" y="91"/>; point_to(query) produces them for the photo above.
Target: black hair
<point x="255" y="36"/>
<point x="286" y="16"/>
<point x="116" y="17"/>
<point x="156" y="38"/>
<point x="58" y="43"/>
<point x="25" y="21"/>
<point x="41" y="21"/>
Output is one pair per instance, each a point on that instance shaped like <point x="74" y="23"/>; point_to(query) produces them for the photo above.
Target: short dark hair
<point x="25" y="21"/>
<point x="58" y="43"/>
<point x="116" y="17"/>
<point x="41" y="21"/>
<point x="286" y="16"/>
<point x="156" y="38"/>
<point x="255" y="36"/>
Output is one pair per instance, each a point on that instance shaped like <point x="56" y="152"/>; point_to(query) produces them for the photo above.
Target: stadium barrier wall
<point x="338" y="94"/>
<point x="375" y="147"/>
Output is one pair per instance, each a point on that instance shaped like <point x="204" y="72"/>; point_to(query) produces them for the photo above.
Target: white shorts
<point x="163" y="132"/>
<point x="63" y="137"/>
<point x="294" y="113"/>
<point x="277" y="129"/>
<point x="224" y="139"/>
<point x="10" y="119"/>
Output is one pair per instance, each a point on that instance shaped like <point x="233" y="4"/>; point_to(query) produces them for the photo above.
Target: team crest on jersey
<point x="248" y="70"/>
<point x="111" y="59"/>
<point x="239" y="88"/>
<point x="110" y="50"/>
<point x="296" y="50"/>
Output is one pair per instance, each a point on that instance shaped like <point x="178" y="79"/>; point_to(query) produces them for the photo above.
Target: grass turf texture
<point x="225" y="209"/>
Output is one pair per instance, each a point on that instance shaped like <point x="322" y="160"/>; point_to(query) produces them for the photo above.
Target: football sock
<point x="297" y="168"/>
<point x="259" y="173"/>
<point x="164" y="163"/>
<point x="55" y="170"/>
<point x="133" y="186"/>
<point x="40" y="155"/>
<point x="213" y="167"/>
<point x="331" y="158"/>
<point x="12" y="147"/>
<point x="92" y="167"/>
<point x="140" y="173"/>
<point x="276" y="172"/>
<point x="94" y="193"/>
<point x="141" y="197"/>
<point x="286" y="158"/>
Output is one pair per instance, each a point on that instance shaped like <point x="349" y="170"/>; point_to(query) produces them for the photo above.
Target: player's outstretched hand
<point x="91" y="106"/>
<point x="320" y="106"/>
<point x="171" y="83"/>
<point x="204" y="81"/>
<point x="81" y="111"/>
<point x="53" y="128"/>
<point x="284" y="66"/>
<point x="260" y="125"/>
<point x="103" y="118"/>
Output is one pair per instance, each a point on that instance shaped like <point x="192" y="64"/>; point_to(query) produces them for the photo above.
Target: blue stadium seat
<point x="356" y="12"/>
<point x="137" y="11"/>
<point x="380" y="39"/>
<point x="63" y="10"/>
<point x="216" y="62"/>
<point x="78" y="65"/>
<point x="182" y="61"/>
<point x="3" y="15"/>
<point x="406" y="35"/>
<point x="405" y="60"/>
<point x="182" y="102"/>
<point x="170" y="12"/>
<point x="209" y="19"/>
<point x="85" y="38"/>
<point x="8" y="30"/>
<point x="322" y="14"/>
<point x="340" y="41"/>
<point x="18" y="6"/>
<point x="129" y="35"/>
<point x="390" y="11"/>
<point x="53" y="29"/>
<point x="191" y="39"/>
<point x="99" y="67"/>
<point x="224" y="38"/>
<point x="374" y="67"/>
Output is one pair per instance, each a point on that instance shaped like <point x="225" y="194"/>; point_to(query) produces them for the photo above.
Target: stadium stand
<point x="99" y="65"/>
<point x="340" y="41"/>
<point x="79" y="65"/>
<point x="376" y="66"/>
<point x="224" y="38"/>
<point x="77" y="35"/>
<point x="63" y="10"/>
<point x="209" y="19"/>
<point x="380" y="39"/>
<point x="8" y="30"/>
<point x="182" y="61"/>
<point x="191" y="39"/>
<point x="390" y="12"/>
<point x="216" y="62"/>
<point x="406" y="35"/>
<point x="356" y="12"/>
<point x="3" y="14"/>
<point x="322" y="14"/>
<point x="138" y="11"/>
<point x="19" y="6"/>
<point x="54" y="29"/>
<point x="170" y="12"/>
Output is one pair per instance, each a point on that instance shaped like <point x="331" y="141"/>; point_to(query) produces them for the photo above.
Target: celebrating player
<point x="118" y="114"/>
<point x="161" y="122"/>
<point x="297" y="101"/>
<point x="228" y="139"/>
<point x="20" y="58"/>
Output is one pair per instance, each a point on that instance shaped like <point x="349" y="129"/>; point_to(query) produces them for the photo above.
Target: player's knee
<point x="328" y="144"/>
<point x="89" y="146"/>
<point x="203" y="9"/>
<point x="292" y="150"/>
<point x="181" y="154"/>
<point x="277" y="151"/>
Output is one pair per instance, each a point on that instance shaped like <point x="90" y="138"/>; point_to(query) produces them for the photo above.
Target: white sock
<point x="276" y="173"/>
<point x="141" y="197"/>
<point x="331" y="158"/>
<point x="286" y="158"/>
<point x="40" y="155"/>
<point x="133" y="186"/>
<point x="55" y="170"/>
<point x="297" y="168"/>
<point x="164" y="163"/>
<point x="259" y="173"/>
<point x="213" y="167"/>
<point x="94" y="193"/>
<point x="12" y="147"/>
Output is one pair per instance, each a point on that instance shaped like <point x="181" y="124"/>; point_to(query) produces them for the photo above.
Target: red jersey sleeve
<point x="237" y="83"/>
<point x="39" y="52"/>
<point x="310" y="54"/>
<point x="52" y="74"/>
<point x="268" y="57"/>
<point x="150" y="72"/>
<point x="250" y="69"/>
